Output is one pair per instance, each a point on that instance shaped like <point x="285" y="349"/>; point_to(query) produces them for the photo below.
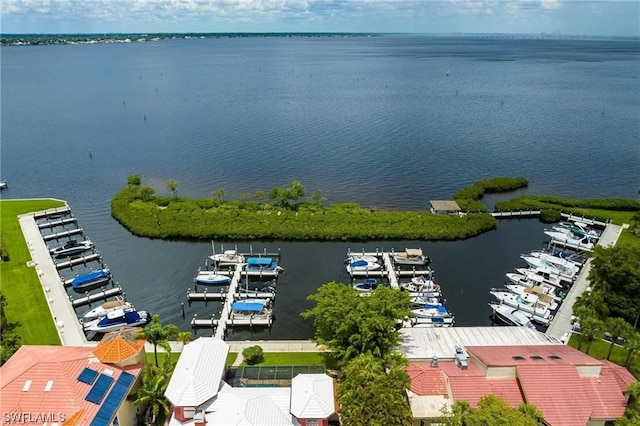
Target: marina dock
<point x="59" y="222"/>
<point x="57" y="236"/>
<point x="81" y="260"/>
<point x="103" y="294"/>
<point x="562" y="320"/>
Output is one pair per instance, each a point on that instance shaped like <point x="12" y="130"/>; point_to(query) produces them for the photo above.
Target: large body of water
<point x="390" y="122"/>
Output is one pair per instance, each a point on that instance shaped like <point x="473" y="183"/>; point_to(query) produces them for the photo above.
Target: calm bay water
<point x="390" y="122"/>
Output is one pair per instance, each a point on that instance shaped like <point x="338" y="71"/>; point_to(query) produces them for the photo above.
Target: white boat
<point x="254" y="309"/>
<point x="362" y="265"/>
<point x="105" y="308"/>
<point x="263" y="264"/>
<point x="212" y="278"/>
<point x="93" y="279"/>
<point x="227" y="258"/>
<point x="3" y="184"/>
<point x="114" y="320"/>
<point x="528" y="278"/>
<point x="511" y="316"/>
<point x="572" y="239"/>
<point x="548" y="276"/>
<point x="537" y="311"/>
<point x="560" y="267"/>
<point x="411" y="257"/>
<point x="543" y="294"/>
<point x="355" y="258"/>
<point x="578" y="228"/>
<point x="71" y="248"/>
<point x="555" y="260"/>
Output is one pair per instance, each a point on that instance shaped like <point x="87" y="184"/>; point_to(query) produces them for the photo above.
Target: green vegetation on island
<point x="290" y="214"/>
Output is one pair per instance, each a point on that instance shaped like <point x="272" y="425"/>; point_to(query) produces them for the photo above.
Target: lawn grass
<point x="19" y="284"/>
<point x="600" y="348"/>
<point x="161" y="357"/>
<point x="293" y="358"/>
<point x="231" y="357"/>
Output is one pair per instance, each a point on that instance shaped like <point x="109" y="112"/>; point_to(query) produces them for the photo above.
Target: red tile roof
<point x="57" y="367"/>
<point x="557" y="391"/>
<point x="118" y="346"/>
<point x="622" y="375"/>
<point x="605" y="395"/>
<point x="496" y="356"/>
<point x="426" y="380"/>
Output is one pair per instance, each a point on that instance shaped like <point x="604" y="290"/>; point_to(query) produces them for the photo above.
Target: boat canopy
<point x="258" y="262"/>
<point x="246" y="306"/>
<point x="416" y="252"/>
<point x="358" y="263"/>
<point x="90" y="277"/>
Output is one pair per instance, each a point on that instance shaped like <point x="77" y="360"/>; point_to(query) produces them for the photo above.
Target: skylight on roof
<point x="517" y="358"/>
<point x="26" y="386"/>
<point x="536" y="357"/>
<point x="48" y="386"/>
<point x="554" y="357"/>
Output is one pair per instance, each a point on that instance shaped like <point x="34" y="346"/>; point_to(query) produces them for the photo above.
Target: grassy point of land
<point x="26" y="302"/>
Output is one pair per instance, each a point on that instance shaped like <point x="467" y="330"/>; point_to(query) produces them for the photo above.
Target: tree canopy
<point x="491" y="411"/>
<point x="350" y="324"/>
<point x="372" y="392"/>
<point x="615" y="272"/>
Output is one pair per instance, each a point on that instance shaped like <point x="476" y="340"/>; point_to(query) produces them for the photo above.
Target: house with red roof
<point x="200" y="396"/>
<point x="69" y="385"/>
<point x="569" y="387"/>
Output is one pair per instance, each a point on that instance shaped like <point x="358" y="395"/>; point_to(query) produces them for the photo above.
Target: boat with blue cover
<point x="92" y="279"/>
<point x="433" y="311"/>
<point x="114" y="320"/>
<point x="362" y="265"/>
<point x="251" y="309"/>
<point x="263" y="264"/>
<point x="367" y="286"/>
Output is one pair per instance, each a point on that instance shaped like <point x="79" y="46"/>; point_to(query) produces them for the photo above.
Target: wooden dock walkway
<point x="82" y="260"/>
<point x="56" y="223"/>
<point x="513" y="214"/>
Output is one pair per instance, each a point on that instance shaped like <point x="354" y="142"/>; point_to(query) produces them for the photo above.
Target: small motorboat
<point x="212" y="278"/>
<point x="511" y="316"/>
<point x="411" y="257"/>
<point x="105" y="308"/>
<point x="584" y="242"/>
<point x="72" y="248"/>
<point x="92" y="279"/>
<point x="367" y="286"/>
<point x="355" y="258"/>
<point x="227" y="258"/>
<point x="113" y="320"/>
<point x="362" y="265"/>
<point x="433" y="316"/>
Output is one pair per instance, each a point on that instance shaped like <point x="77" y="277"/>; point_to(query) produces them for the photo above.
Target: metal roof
<point x="312" y="396"/>
<point x="423" y="343"/>
<point x="196" y="377"/>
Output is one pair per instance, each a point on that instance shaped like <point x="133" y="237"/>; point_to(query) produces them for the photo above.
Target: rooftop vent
<point x="554" y="357"/>
<point x="518" y="358"/>
<point x="434" y="361"/>
<point x="536" y="357"/>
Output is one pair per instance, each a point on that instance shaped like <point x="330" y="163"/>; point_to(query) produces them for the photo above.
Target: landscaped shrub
<point x="550" y="216"/>
<point x="253" y="354"/>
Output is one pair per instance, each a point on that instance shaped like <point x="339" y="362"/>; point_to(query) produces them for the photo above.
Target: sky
<point x="566" y="17"/>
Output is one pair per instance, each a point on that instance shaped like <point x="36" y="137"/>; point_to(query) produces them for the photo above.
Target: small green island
<point x="290" y="214"/>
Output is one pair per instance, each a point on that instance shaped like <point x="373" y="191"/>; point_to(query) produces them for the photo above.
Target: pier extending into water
<point x="389" y="271"/>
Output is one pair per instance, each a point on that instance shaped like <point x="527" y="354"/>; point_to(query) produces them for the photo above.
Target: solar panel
<point x="99" y="388"/>
<point x="110" y="405"/>
<point x="87" y="376"/>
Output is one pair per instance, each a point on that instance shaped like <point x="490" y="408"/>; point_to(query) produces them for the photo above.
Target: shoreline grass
<point x="26" y="302"/>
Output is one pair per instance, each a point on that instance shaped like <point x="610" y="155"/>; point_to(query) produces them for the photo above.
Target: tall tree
<point x="582" y="312"/>
<point x="631" y="415"/>
<point x="372" y="392"/>
<point x="158" y="334"/>
<point x="592" y="329"/>
<point x="150" y="396"/>
<point x="349" y="324"/>
<point x="172" y="186"/>
<point x="615" y="271"/>
<point x="617" y="327"/>
<point x="632" y="345"/>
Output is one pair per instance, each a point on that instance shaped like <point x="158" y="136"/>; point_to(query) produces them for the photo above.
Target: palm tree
<point x="633" y="347"/>
<point x="592" y="329"/>
<point x="617" y="327"/>
<point x="158" y="334"/>
<point x="582" y="312"/>
<point x="184" y="337"/>
<point x="172" y="186"/>
<point x="151" y="394"/>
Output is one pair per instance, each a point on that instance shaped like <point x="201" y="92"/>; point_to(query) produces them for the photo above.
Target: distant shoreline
<point x="112" y="38"/>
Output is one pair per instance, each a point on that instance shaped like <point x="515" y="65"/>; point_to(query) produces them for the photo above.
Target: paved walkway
<point x="561" y="323"/>
<point x="64" y="316"/>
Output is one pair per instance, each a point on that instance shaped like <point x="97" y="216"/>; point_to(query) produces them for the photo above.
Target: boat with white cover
<point x="511" y="316"/>
<point x="105" y="308"/>
<point x="436" y="315"/>
<point x="572" y="239"/>
<point x="530" y="305"/>
<point x="549" y="276"/>
<point x="560" y="267"/>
